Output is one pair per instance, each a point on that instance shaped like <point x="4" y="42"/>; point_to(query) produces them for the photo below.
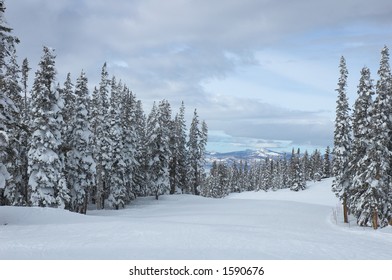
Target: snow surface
<point x="251" y="225"/>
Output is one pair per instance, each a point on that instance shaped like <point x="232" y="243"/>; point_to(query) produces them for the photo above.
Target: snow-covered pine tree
<point x="268" y="174"/>
<point x="247" y="185"/>
<point x="224" y="180"/>
<point x="290" y="169"/>
<point x="211" y="188"/>
<point x="11" y="88"/>
<point x="217" y="184"/>
<point x="239" y="174"/>
<point x="129" y="138"/>
<point x="25" y="137"/>
<point x="253" y="176"/>
<point x="165" y="123"/>
<point x="285" y="172"/>
<point x="12" y="130"/>
<point x="362" y="135"/>
<point x="342" y="142"/>
<point x="202" y="148"/>
<point x="24" y="79"/>
<point x="278" y="174"/>
<point x="297" y="172"/>
<point x="152" y="151"/>
<point x="46" y="181"/>
<point x="140" y="179"/>
<point x="195" y="156"/>
<point x="13" y="192"/>
<point x="158" y="150"/>
<point x="101" y="142"/>
<point x="118" y="195"/>
<point x="81" y="173"/>
<point x="94" y="110"/>
<point x="327" y="172"/>
<point x="372" y="203"/>
<point x="235" y="179"/>
<point x="7" y="113"/>
<point x="316" y="166"/>
<point x="178" y="167"/>
<point x="68" y="95"/>
<point x="307" y="164"/>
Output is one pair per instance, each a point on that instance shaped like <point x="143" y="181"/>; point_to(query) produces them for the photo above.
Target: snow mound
<point x="38" y="216"/>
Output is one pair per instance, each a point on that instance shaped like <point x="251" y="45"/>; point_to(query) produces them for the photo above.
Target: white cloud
<point x="242" y="63"/>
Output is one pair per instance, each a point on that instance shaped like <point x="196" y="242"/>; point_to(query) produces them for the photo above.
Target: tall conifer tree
<point x="81" y="164"/>
<point x="342" y="141"/>
<point x="47" y="182"/>
<point x="372" y="205"/>
<point x="117" y="189"/>
<point x="101" y="138"/>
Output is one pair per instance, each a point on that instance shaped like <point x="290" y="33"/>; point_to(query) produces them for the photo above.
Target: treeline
<point x="269" y="174"/>
<point x="61" y="146"/>
<point x="363" y="147"/>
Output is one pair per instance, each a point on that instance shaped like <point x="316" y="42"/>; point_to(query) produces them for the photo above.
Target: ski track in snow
<point x="251" y="225"/>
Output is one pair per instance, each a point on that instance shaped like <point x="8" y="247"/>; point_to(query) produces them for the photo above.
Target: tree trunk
<point x="345" y="210"/>
<point x="375" y="219"/>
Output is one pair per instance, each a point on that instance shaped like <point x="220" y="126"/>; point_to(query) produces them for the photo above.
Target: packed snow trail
<point x="252" y="225"/>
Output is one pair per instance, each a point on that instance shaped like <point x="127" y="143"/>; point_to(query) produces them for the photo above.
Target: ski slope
<point x="252" y="225"/>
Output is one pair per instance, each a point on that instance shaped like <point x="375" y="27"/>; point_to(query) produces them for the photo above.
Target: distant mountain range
<point x="246" y="155"/>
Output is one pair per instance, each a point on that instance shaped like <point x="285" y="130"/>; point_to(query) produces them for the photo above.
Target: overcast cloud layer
<point x="262" y="73"/>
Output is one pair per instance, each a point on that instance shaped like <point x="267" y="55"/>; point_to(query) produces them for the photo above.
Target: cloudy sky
<point x="261" y="73"/>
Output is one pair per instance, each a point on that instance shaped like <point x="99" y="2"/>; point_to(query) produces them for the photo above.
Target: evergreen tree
<point x="362" y="136"/>
<point x="101" y="138"/>
<point x="316" y="166"/>
<point x="158" y="150"/>
<point x="118" y="195"/>
<point x="25" y="132"/>
<point x="218" y="182"/>
<point x="68" y="112"/>
<point x="25" y="75"/>
<point x="267" y="174"/>
<point x="307" y="164"/>
<point x="342" y="142"/>
<point x="196" y="151"/>
<point x="178" y="167"/>
<point x="141" y="168"/>
<point x="327" y="172"/>
<point x="10" y="119"/>
<point x="17" y="162"/>
<point x="211" y="188"/>
<point x="81" y="164"/>
<point x="285" y="172"/>
<point x="298" y="178"/>
<point x="371" y="201"/>
<point x="69" y="98"/>
<point x="202" y="148"/>
<point x="129" y="138"/>
<point x="278" y="175"/>
<point x="46" y="181"/>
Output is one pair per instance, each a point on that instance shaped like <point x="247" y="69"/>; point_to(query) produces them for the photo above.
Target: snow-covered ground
<point x="251" y="225"/>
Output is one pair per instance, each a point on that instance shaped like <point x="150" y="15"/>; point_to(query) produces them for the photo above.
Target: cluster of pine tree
<point x="363" y="147"/>
<point x="62" y="147"/>
<point x="270" y="174"/>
